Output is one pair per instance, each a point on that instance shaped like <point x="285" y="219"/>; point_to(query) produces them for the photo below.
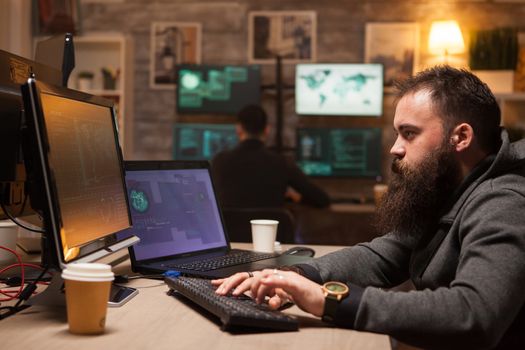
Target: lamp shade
<point x="445" y="38"/>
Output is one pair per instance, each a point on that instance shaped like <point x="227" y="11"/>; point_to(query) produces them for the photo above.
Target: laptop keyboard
<point x="232" y="311"/>
<point x="233" y="258"/>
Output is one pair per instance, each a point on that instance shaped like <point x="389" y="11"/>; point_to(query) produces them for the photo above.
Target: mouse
<point x="300" y="251"/>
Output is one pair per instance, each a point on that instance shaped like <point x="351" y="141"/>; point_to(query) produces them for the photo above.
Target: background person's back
<point x="252" y="176"/>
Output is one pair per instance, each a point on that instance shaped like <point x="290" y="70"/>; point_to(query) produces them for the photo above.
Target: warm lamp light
<point x="445" y="38"/>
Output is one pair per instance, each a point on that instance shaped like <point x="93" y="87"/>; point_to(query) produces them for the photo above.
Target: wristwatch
<point x="334" y="292"/>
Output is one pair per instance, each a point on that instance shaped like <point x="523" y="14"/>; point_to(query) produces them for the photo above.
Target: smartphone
<point x="119" y="295"/>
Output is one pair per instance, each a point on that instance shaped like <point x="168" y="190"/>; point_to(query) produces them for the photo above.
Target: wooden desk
<point x="154" y="320"/>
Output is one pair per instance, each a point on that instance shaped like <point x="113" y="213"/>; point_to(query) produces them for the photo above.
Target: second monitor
<point x="202" y="141"/>
<point x="217" y="89"/>
<point x="339" y="152"/>
<point x="339" y="89"/>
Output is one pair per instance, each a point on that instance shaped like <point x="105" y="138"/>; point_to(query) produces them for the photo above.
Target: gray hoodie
<point x="469" y="274"/>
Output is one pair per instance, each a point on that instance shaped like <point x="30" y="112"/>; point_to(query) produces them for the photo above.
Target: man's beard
<point x="416" y="197"/>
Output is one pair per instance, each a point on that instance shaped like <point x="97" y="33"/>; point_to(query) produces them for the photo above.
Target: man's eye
<point x="409" y="134"/>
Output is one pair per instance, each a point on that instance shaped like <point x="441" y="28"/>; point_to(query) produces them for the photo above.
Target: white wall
<point x="15" y="27"/>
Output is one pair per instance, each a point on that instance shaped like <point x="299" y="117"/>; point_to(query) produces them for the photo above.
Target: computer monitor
<point x="339" y="152"/>
<point x="57" y="52"/>
<point x="202" y="141"/>
<point x="339" y="89"/>
<point x="75" y="173"/>
<point x="217" y="89"/>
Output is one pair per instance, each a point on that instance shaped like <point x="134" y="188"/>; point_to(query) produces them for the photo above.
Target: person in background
<point x="252" y="176"/>
<point x="455" y="226"/>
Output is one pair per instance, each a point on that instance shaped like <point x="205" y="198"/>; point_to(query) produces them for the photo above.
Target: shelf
<point x="512" y="107"/>
<point x="95" y="51"/>
<point x="512" y="96"/>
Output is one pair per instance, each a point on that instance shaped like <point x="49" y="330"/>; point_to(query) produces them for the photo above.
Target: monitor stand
<point x="54" y="294"/>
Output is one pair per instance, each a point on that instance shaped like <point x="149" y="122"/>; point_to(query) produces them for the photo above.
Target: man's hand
<point x="279" y="286"/>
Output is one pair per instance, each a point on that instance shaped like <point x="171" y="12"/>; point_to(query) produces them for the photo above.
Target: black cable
<point x="26" y="294"/>
<point x="29" y="289"/>
<point x="13" y="219"/>
<point x="10" y="311"/>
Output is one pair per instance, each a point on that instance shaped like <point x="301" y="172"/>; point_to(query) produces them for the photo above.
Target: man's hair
<point x="460" y="97"/>
<point x="252" y="119"/>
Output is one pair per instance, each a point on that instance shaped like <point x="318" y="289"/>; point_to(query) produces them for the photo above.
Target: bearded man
<point x="455" y="217"/>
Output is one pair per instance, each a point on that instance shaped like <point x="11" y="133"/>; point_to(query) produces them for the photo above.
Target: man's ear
<point x="462" y="137"/>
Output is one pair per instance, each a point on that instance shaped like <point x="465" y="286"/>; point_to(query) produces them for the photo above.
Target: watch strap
<point x="330" y="308"/>
<point x="346" y="311"/>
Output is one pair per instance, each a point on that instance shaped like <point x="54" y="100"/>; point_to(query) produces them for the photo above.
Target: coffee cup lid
<point x="88" y="272"/>
<point x="264" y="222"/>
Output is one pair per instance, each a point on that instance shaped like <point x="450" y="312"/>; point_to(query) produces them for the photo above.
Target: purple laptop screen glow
<point x="173" y="212"/>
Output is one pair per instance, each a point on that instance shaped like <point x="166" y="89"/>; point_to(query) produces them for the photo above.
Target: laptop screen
<point x="174" y="211"/>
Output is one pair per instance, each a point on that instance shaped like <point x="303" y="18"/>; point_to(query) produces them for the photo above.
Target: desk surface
<point x="153" y="319"/>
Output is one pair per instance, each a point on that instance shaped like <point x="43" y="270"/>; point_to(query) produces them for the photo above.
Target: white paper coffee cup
<point x="264" y="233"/>
<point x="87" y="294"/>
<point x="8" y="236"/>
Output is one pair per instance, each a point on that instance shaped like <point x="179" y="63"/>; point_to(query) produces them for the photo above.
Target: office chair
<point x="238" y="227"/>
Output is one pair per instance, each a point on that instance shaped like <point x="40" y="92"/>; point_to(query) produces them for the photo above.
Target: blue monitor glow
<point x="339" y="89"/>
<point x="217" y="89"/>
<point x="339" y="152"/>
<point x="202" y="141"/>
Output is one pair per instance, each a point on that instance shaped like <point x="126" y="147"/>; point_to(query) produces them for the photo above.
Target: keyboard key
<point x="231" y="259"/>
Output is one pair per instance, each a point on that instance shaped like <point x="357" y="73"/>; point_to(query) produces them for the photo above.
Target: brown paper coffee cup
<point x="379" y="191"/>
<point x="87" y="295"/>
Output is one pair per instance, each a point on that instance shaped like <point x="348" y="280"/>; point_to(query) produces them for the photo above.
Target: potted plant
<point x="109" y="78"/>
<point x="85" y="80"/>
<point x="493" y="55"/>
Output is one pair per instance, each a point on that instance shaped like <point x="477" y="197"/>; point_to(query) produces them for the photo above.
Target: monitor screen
<point x="174" y="211"/>
<point x="75" y="167"/>
<point x="339" y="89"/>
<point x="202" y="141"/>
<point x="354" y="152"/>
<point x="217" y="89"/>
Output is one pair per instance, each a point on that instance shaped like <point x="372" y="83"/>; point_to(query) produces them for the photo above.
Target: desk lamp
<point x="445" y="39"/>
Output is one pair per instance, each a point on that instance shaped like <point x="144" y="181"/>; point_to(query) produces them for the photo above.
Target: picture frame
<point x="396" y="46"/>
<point x="289" y="34"/>
<point x="56" y="17"/>
<point x="172" y="43"/>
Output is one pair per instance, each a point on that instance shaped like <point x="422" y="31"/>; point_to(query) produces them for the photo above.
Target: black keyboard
<point x="233" y="312"/>
<point x="235" y="257"/>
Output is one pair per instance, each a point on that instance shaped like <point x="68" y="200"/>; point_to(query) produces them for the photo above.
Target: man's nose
<point x="398" y="149"/>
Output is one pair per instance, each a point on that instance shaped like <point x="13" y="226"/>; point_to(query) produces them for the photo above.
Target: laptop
<point x="177" y="217"/>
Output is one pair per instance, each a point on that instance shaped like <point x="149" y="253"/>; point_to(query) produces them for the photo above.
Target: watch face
<point x="336" y="288"/>
<point x="332" y="287"/>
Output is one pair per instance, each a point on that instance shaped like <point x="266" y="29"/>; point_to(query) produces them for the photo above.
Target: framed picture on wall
<point x="56" y="17"/>
<point x="172" y="43"/>
<point x="289" y="34"/>
<point x="395" y="45"/>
